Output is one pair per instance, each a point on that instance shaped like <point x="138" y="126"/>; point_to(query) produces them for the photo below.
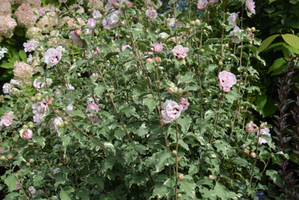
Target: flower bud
<point x="32" y="98"/>
<point x="202" y="50"/>
<point x="31" y="160"/>
<point x="169" y="90"/>
<point x="158" y="59"/>
<point x="252" y="29"/>
<point x="181" y="176"/>
<point x="248" y="29"/>
<point x="246" y="151"/>
<point x="220" y="63"/>
<point x="263" y="126"/>
<point x="179" y="195"/>
<point x="178" y="159"/>
<point x="116" y="5"/>
<point x="49" y="101"/>
<point x="211" y="177"/>
<point x="78" y="32"/>
<point x="60" y="125"/>
<point x="253" y="155"/>
<point x="192" y="22"/>
<point x="28" y="164"/>
<point x="197" y="22"/>
<point x="9" y="156"/>
<point x="2" y="158"/>
<point x="227" y="45"/>
<point x="180" y="90"/>
<point x="25" y="126"/>
<point x="174" y="152"/>
<point x="27" y="134"/>
<point x="38" y="98"/>
<point x="149" y="60"/>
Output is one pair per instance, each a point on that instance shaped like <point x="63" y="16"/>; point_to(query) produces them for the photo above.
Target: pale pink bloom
<point x="112" y="20"/>
<point x="57" y="92"/>
<point x="27" y="134"/>
<point x="56" y="170"/>
<point x="184" y="103"/>
<point x="62" y="1"/>
<point x="92" y="100"/>
<point x="91" y="23"/>
<point x="251" y="127"/>
<point x="232" y="19"/>
<point x="227" y="80"/>
<point x="171" y="111"/>
<point x="5" y="121"/>
<point x="250" y="4"/>
<point x="125" y="46"/>
<point x="57" y="121"/>
<point x="18" y="186"/>
<point x="157" y="47"/>
<point x="6" y="88"/>
<point x="202" y="4"/>
<point x="105" y="23"/>
<point x="52" y="56"/>
<point x="88" y="31"/>
<point x="30" y="45"/>
<point x="37" y="84"/>
<point x="38" y="119"/>
<point x="212" y="2"/>
<point x="97" y="14"/>
<point x="76" y="40"/>
<point x="264" y="131"/>
<point x="179" y="51"/>
<point x="235" y="39"/>
<point x="29" y="59"/>
<point x="69" y="108"/>
<point x="32" y="190"/>
<point x="40" y="108"/>
<point x="95" y="75"/>
<point x="151" y="13"/>
<point x="92" y="106"/>
<point x="69" y="87"/>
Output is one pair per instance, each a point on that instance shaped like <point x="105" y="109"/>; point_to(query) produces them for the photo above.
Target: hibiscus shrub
<point x="125" y="103"/>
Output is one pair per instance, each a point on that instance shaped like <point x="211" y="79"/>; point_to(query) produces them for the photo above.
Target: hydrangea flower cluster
<point x="25" y="15"/>
<point x="23" y="73"/>
<point x="3" y="50"/>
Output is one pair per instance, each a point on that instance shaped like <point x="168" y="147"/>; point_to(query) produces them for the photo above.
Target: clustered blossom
<point x="227" y="80"/>
<point x="171" y="111"/>
<point x="184" y="102"/>
<point x="93" y="117"/>
<point x="250" y="4"/>
<point x="6" y="88"/>
<point x="251" y="127"/>
<point x="111" y="20"/>
<point x="151" y="13"/>
<point x="96" y="4"/>
<point x="202" y="4"/>
<point x="264" y="131"/>
<point x="7" y="26"/>
<point x="32" y="190"/>
<point x="30" y="45"/>
<point x="57" y="123"/>
<point x="232" y="19"/>
<point x="25" y="15"/>
<point x="5" y="8"/>
<point x="235" y="38"/>
<point x="157" y="47"/>
<point x="97" y="14"/>
<point x="33" y="32"/>
<point x="91" y="23"/>
<point x="52" y="56"/>
<point x="6" y="119"/>
<point x="23" y="73"/>
<point x="39" y="109"/>
<point x="49" y="19"/>
<point x="179" y="51"/>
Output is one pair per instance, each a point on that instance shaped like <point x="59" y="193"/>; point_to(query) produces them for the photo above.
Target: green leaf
<point x="267" y="42"/>
<point x="222" y="192"/>
<point x="23" y="55"/>
<point x="66" y="140"/>
<point x="65" y="193"/>
<point x="11" y="182"/>
<point x="7" y="65"/>
<point x="277" y="64"/>
<point x="187" y="185"/>
<point x="40" y="140"/>
<point x="83" y="194"/>
<point x="172" y="2"/>
<point x="184" y="122"/>
<point x="187" y="78"/>
<point x="292" y="40"/>
<point x="261" y="102"/>
<point x="99" y="90"/>
<point x="12" y="196"/>
<point x="161" y="160"/>
<point x="150" y="103"/>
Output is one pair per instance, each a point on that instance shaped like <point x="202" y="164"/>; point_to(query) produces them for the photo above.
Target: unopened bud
<point x="31" y="160"/>
<point x="169" y="90"/>
<point x="202" y="50"/>
<point x="181" y="176"/>
<point x="246" y="151"/>
<point x="174" y="152"/>
<point x="179" y="195"/>
<point x="9" y="156"/>
<point x="252" y="29"/>
<point x="263" y="126"/>
<point x="60" y="125"/>
<point x="197" y="22"/>
<point x="78" y="32"/>
<point x="25" y="126"/>
<point x="49" y="101"/>
<point x="178" y="159"/>
<point x="220" y="63"/>
<point x="253" y="155"/>
<point x="158" y="59"/>
<point x="180" y="90"/>
<point x="2" y="158"/>
<point x="192" y="22"/>
<point x="248" y="29"/>
<point x="28" y="164"/>
<point x="149" y="60"/>
<point x="211" y="177"/>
